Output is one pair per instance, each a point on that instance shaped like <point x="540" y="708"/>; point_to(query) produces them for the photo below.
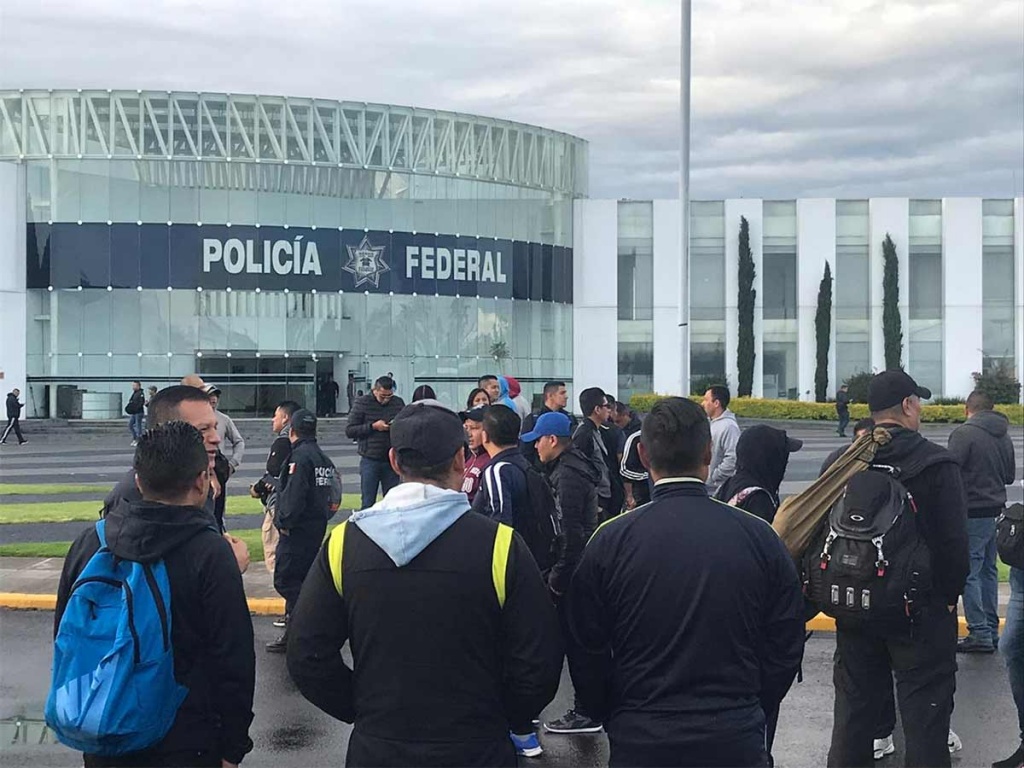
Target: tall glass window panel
<point x="636" y="261"/>
<point x="998" y="280"/>
<point x="707" y="290"/>
<point x="852" y="289"/>
<point x="779" y="299"/>
<point x="925" y="361"/>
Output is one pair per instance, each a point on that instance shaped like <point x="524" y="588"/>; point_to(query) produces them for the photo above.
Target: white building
<point x="961" y="265"/>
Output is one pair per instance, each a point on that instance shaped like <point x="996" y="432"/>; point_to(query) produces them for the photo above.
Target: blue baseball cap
<point x="553" y="423"/>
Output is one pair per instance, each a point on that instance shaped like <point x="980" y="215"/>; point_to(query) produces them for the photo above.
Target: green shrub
<point x="999" y="383"/>
<point x="858" y="386"/>
<point x="946" y="401"/>
<point x="753" y="408"/>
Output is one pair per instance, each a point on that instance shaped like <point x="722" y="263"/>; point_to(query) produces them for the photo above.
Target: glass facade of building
<point x="779" y="299"/>
<point x="707" y="290"/>
<point x="998" y="280"/>
<point x="152" y="268"/>
<point x="924" y="349"/>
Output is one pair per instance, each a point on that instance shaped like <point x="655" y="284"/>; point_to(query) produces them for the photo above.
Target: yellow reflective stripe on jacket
<point x="335" y="548"/>
<point x="499" y="560"/>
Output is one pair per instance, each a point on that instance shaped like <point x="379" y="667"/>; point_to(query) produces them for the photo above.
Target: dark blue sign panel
<point x="300" y="259"/>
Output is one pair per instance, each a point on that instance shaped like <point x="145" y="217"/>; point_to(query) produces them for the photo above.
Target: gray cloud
<point x="790" y="97"/>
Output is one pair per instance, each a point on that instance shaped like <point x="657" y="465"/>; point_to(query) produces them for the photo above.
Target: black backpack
<point x="1010" y="536"/>
<point x="541" y="526"/>
<point x="869" y="562"/>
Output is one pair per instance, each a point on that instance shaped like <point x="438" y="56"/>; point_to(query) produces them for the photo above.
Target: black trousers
<point x="295" y="556"/>
<point x="922" y="657"/>
<point x="13" y="424"/>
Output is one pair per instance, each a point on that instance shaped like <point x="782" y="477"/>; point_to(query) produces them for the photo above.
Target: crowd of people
<point x="494" y="543"/>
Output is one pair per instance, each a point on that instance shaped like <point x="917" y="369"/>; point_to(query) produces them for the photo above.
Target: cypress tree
<point x="823" y="335"/>
<point x="745" y="303"/>
<point x="892" y="323"/>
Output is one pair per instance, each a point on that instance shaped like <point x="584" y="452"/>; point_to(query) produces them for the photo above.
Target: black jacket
<point x="574" y="483"/>
<point x="930" y="473"/>
<point x="441" y="670"/>
<point x="13" y="406"/>
<point x="211" y="630"/>
<point x="530" y="449"/>
<point x="280" y="452"/>
<point x="365" y="411"/>
<point x="686" y="626"/>
<point x="842" y="403"/>
<point x="503" y="488"/>
<point x="984" y="451"/>
<point x="304" y="491"/>
<point x="136" y="403"/>
<point x="126" y="493"/>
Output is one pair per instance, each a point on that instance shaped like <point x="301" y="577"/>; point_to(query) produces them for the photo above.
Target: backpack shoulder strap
<point x="499" y="561"/>
<point x="746" y="493"/>
<point x="335" y="550"/>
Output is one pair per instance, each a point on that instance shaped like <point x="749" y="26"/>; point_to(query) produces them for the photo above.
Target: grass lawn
<point x="55" y="489"/>
<point x="60" y="548"/>
<point x="85" y="511"/>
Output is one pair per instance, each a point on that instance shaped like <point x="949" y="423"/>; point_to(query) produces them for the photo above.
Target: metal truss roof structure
<point x="242" y="128"/>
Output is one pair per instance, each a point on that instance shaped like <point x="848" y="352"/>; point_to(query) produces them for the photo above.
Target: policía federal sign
<point x="67" y="255"/>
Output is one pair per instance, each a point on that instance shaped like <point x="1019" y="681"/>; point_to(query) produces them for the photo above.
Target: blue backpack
<point x="113" y="689"/>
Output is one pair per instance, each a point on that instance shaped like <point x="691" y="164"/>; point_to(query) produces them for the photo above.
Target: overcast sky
<point x="837" y="98"/>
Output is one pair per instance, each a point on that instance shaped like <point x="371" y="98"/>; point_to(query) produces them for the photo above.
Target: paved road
<point x="103" y="459"/>
<point x="288" y="731"/>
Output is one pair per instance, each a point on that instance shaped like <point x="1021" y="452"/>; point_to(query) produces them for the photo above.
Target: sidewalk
<point x="29" y="583"/>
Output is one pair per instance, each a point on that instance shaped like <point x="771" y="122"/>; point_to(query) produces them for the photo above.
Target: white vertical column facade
<point x="595" y="295"/>
<point x="752" y="210"/>
<point x="816" y="246"/>
<point x="1018" y="278"/>
<point x="962" y="334"/>
<point x="13" y="296"/>
<point x="888" y="215"/>
<point x="668" y="340"/>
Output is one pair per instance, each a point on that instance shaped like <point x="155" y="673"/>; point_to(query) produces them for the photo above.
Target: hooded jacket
<point x="505" y="395"/>
<point x="984" y="451"/>
<point x="211" y="630"/>
<point x="930" y="473"/>
<point x="574" y="482"/>
<point x="365" y="411"/>
<point x="13" y="406"/>
<point x="761" y="459"/>
<point x="725" y="433"/>
<point x="440" y="668"/>
<point x="126" y="493"/>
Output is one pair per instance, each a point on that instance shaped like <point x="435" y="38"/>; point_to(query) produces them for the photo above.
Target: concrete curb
<point x="274" y="606"/>
<point x="20" y="601"/>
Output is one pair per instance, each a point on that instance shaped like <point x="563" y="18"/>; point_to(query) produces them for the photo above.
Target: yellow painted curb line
<point x="823" y="623"/>
<point x="261" y="606"/>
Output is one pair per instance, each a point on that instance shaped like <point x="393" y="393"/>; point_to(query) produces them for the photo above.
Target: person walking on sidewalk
<point x="984" y="451"/>
<point x="843" y="409"/>
<point x="13" y="417"/>
<point x="136" y="412"/>
<point x="369" y="423"/>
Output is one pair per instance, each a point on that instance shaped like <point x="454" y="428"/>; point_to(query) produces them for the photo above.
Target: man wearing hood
<point x="984" y="451"/>
<point x="920" y="649"/>
<point x="725" y="433"/>
<point x="452" y="634"/>
<point x="211" y="629"/>
<point x="515" y="393"/>
<point x="762" y="455"/>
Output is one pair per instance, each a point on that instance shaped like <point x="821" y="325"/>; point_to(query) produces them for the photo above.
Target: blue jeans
<point x="374" y="472"/>
<point x="981" y="594"/>
<point x="844" y="420"/>
<point x="1012" y="643"/>
<point x="136" y="425"/>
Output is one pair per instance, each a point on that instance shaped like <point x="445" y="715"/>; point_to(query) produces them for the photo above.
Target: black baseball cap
<point x="303" y="420"/>
<point x="427" y="433"/>
<point x="890" y="388"/>
<point x="473" y="414"/>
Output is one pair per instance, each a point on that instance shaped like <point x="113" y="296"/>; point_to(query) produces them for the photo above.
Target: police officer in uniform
<point x="303" y="509"/>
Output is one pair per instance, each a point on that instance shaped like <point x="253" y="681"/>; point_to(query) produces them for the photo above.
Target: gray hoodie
<point x="984" y="451"/>
<point x="725" y="433"/>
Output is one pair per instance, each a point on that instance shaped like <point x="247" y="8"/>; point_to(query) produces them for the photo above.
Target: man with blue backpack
<point x="153" y="659"/>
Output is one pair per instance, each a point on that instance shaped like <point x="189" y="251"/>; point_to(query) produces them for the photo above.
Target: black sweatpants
<point x="295" y="555"/>
<point x="922" y="657"/>
<point x="15" y="424"/>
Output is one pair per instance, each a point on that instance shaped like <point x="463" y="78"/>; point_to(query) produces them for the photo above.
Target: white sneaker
<point x="134" y="443"/>
<point x="953" y="742"/>
<point x="884" y="747"/>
